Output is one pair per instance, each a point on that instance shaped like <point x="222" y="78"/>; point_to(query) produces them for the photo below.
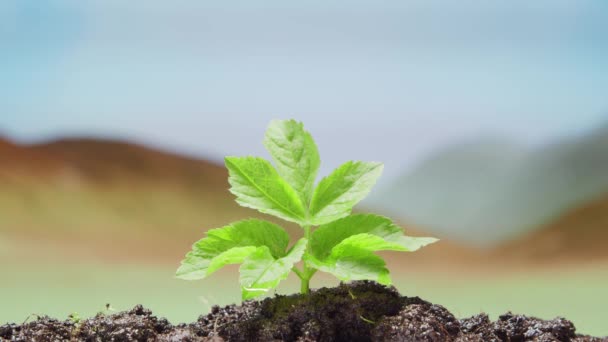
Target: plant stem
<point x="304" y="288"/>
<point x="307" y="236"/>
<point x="306" y="272"/>
<point x="297" y="272"/>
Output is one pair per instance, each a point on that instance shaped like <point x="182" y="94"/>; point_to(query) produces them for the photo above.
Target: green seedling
<point x="74" y="317"/>
<point x="334" y="241"/>
<point x="107" y="309"/>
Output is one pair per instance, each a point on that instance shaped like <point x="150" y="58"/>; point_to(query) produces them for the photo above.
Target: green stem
<point x="306" y="273"/>
<point x="297" y="272"/>
<point x="304" y="288"/>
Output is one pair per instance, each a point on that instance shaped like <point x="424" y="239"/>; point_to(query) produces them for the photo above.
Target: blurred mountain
<point x="99" y="193"/>
<point x="576" y="238"/>
<point x="577" y="235"/>
<point x="118" y="200"/>
<point x="487" y="192"/>
<point x="73" y="163"/>
<point x="111" y="200"/>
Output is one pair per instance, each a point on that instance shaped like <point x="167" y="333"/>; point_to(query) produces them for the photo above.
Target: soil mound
<point x="361" y="311"/>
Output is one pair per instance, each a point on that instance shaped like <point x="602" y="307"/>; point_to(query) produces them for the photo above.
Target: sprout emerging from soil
<point x="335" y="241"/>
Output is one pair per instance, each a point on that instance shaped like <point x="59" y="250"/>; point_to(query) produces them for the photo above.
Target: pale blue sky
<point x="373" y="80"/>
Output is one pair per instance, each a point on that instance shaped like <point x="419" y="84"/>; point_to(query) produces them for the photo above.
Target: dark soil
<point x="361" y="311"/>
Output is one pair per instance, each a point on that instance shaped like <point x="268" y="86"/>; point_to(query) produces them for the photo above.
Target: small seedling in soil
<point x="74" y="317"/>
<point x="335" y="241"/>
<point x="379" y="314"/>
<point x="107" y="309"/>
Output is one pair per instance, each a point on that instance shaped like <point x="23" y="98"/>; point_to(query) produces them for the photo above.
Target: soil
<point x="360" y="311"/>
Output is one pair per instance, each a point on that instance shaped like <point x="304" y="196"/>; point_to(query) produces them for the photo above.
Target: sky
<point x="391" y="81"/>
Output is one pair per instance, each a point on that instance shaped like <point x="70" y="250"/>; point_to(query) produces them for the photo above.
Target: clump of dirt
<point x="360" y="311"/>
<point x="418" y="322"/>
<point x="138" y="324"/>
<point x="343" y="313"/>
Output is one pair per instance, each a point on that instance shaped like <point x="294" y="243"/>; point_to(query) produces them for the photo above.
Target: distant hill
<point x="108" y="163"/>
<point x="576" y="238"/>
<point x="578" y="235"/>
<point x="80" y="185"/>
<point x="123" y="201"/>
<point x="20" y="160"/>
<point x="111" y="199"/>
<point x="488" y="191"/>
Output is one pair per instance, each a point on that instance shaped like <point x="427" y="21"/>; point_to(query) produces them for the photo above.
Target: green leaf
<point x="256" y="184"/>
<point x="337" y="194"/>
<point x="367" y="242"/>
<point x="261" y="272"/>
<point x="345" y="247"/>
<point x="232" y="244"/>
<point x="353" y="264"/>
<point x="295" y="155"/>
<point x="327" y="236"/>
<point x="352" y="259"/>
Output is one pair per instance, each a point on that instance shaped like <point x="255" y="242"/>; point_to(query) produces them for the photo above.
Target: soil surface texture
<point x="360" y="311"/>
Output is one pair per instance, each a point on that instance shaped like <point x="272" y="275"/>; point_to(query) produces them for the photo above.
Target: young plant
<point x="334" y="241"/>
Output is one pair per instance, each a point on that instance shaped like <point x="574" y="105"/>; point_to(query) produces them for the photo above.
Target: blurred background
<point x="491" y="118"/>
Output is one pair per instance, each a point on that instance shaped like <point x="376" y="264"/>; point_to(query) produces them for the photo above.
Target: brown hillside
<point x="4" y="142"/>
<point x="106" y="160"/>
<point x="105" y="181"/>
<point x="79" y="196"/>
<point x="17" y="161"/>
<point x="579" y="235"/>
<point x="80" y="192"/>
<point x="7" y="149"/>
